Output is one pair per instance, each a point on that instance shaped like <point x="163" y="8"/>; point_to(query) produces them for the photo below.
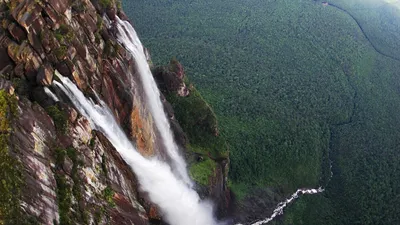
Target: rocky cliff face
<point x="208" y="151"/>
<point x="56" y="169"/>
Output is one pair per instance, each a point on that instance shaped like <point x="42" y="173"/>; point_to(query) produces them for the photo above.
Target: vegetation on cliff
<point x="290" y="80"/>
<point x="10" y="170"/>
<point x="69" y="189"/>
<point x="198" y="121"/>
<point x="59" y="117"/>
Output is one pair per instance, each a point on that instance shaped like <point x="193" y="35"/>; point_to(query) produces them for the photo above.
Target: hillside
<point x="294" y="84"/>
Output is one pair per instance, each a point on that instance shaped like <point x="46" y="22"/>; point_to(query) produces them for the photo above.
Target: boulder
<point x="60" y="6"/>
<point x="24" y="54"/>
<point x="17" y="32"/>
<point x="71" y="52"/>
<point x="111" y="13"/>
<point x="6" y="85"/>
<point x="41" y="97"/>
<point x="5" y="59"/>
<point x="26" y="13"/>
<point x="64" y="69"/>
<point x="35" y="42"/>
<point x="52" y="17"/>
<point x="67" y="166"/>
<point x="72" y="115"/>
<point x="177" y="68"/>
<point x="122" y="15"/>
<point x="45" y="75"/>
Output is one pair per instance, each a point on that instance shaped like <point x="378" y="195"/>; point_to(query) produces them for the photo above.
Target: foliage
<point x="100" y="23"/>
<point x="79" y="6"/>
<point x="199" y="123"/>
<point x="275" y="123"/>
<point x="108" y="196"/>
<point x="106" y="3"/>
<point x="111" y="49"/>
<point x="10" y="168"/>
<point x="61" y="52"/>
<point x="202" y="171"/>
<point x="69" y="189"/>
<point x="59" y="117"/>
<point x="104" y="165"/>
<point x="11" y="177"/>
<point x="8" y="109"/>
<point x="59" y="36"/>
<point x="119" y="4"/>
<point x="64" y="33"/>
<point x="240" y="189"/>
<point x="64" y="198"/>
<point x="304" y="212"/>
<point x="288" y="80"/>
<point x="21" y="85"/>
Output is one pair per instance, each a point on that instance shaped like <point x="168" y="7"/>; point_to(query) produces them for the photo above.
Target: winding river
<point x="279" y="210"/>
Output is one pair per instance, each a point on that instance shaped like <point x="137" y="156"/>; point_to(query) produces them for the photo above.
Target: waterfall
<point x="127" y="36"/>
<point x="178" y="203"/>
<point x="51" y="94"/>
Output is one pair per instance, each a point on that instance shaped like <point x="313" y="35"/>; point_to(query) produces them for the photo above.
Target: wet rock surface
<point x="71" y="173"/>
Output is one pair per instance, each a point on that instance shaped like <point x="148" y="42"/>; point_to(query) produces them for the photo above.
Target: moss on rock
<point x="10" y="168"/>
<point x="59" y="117"/>
<point x="69" y="189"/>
<point x="202" y="171"/>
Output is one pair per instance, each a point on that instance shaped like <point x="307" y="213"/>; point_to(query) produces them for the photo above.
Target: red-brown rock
<point x="5" y="59"/>
<point x="63" y="69"/>
<point x="60" y="6"/>
<point x="17" y="32"/>
<point x="45" y="75"/>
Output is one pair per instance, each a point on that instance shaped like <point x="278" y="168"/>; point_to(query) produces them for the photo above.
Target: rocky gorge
<point x="54" y="168"/>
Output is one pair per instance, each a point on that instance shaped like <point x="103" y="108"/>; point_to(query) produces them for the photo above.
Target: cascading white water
<point x="179" y="203"/>
<point x="282" y="205"/>
<point x="127" y="36"/>
<point x="51" y="94"/>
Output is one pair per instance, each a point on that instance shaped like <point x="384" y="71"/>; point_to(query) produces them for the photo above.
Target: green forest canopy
<point x="288" y="80"/>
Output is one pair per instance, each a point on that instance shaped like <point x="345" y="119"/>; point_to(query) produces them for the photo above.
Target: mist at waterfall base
<point x="127" y="36"/>
<point x="179" y="204"/>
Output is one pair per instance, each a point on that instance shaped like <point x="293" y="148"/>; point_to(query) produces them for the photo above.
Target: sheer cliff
<point x="54" y="168"/>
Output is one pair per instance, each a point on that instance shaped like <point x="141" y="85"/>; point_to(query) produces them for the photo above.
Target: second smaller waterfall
<point x="178" y="203"/>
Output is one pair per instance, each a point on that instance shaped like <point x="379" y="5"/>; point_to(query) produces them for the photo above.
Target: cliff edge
<point x="54" y="169"/>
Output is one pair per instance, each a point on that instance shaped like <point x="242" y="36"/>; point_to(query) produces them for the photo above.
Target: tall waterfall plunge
<point x="128" y="37"/>
<point x="169" y="188"/>
<point x="179" y="204"/>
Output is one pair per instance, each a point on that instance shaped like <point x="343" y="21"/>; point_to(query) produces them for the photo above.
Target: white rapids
<point x="282" y="205"/>
<point x="51" y="94"/>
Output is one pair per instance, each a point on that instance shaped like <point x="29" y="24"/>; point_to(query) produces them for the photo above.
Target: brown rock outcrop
<point x="45" y="75"/>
